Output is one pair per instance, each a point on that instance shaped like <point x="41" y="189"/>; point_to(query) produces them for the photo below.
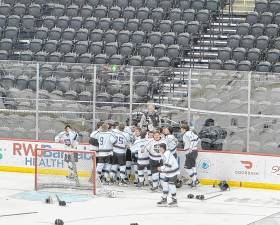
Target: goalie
<point x="69" y="138"/>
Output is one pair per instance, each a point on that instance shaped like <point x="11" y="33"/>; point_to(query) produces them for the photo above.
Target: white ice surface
<point x="235" y="207"/>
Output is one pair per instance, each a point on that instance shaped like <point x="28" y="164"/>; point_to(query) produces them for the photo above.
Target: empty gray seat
<point x="154" y="37"/>
<point x="183" y="39"/>
<point x="271" y="30"/>
<point x="189" y="15"/>
<point x="261" y="5"/>
<point x="126" y="49"/>
<point x="168" y="38"/>
<point x="116" y="59"/>
<point x="135" y="60"/>
<point x="115" y="12"/>
<point x="143" y="13"/>
<point x="165" y="26"/>
<point x="142" y="88"/>
<point x="137" y="37"/>
<point x="62" y="22"/>
<point x="147" y="25"/>
<point x="224" y="53"/>
<point x="244" y="65"/>
<point x="277" y="18"/>
<point x="243" y="29"/>
<point x="175" y="14"/>
<point x="163" y="62"/>
<point x="96" y="47"/>
<point x="2" y="21"/>
<point x="49" y="21"/>
<point x="216" y="64"/>
<point x="78" y="85"/>
<point x="4" y="55"/>
<point x="96" y="35"/>
<point x="193" y="27"/>
<point x="276" y="67"/>
<point x="132" y="25"/>
<point x="103" y="97"/>
<point x="185" y="4"/>
<point x="49" y="84"/>
<point x="173" y="51"/>
<point x="86" y="11"/>
<point x="13" y="21"/>
<point x="273" y="55"/>
<point x="110" y="36"/>
<point x="90" y="23"/>
<point x="41" y="33"/>
<point x="274" y="6"/>
<point x="266" y="18"/>
<point x="198" y="4"/>
<point x="157" y="14"/>
<point x="252" y="17"/>
<point x="5" y="9"/>
<point x="85" y="96"/>
<point x="111" y="48"/>
<point x="234" y="41"/>
<point x="65" y="46"/>
<point x="54" y="57"/>
<point x="230" y="65"/>
<point x="72" y="10"/>
<point x="107" y="3"/>
<point x="68" y="34"/>
<point x="46" y="70"/>
<point x="41" y="56"/>
<point x="262" y="42"/>
<point x="58" y="10"/>
<point x="8" y="81"/>
<point x="257" y="29"/>
<point x="100" y="59"/>
<point x="50" y="46"/>
<point x="11" y="33"/>
<point x="100" y="11"/>
<point x="76" y="71"/>
<point x="123" y="36"/>
<point x="81" y="47"/>
<point x="212" y="5"/>
<point x="276" y="43"/>
<point x="82" y="34"/>
<point x="35" y="45"/>
<point x="6" y="44"/>
<point x="61" y="71"/>
<point x="145" y="49"/>
<point x="253" y="54"/>
<point x="93" y="3"/>
<point x="166" y="4"/>
<point x="149" y="61"/>
<point x="203" y="16"/>
<point x="239" y="54"/>
<point x="80" y="3"/>
<point x="104" y="23"/>
<point x="159" y="50"/>
<point x="118" y="24"/>
<point x="70" y="95"/>
<point x="19" y="9"/>
<point x="129" y="12"/>
<point x="179" y="26"/>
<point x="55" y="33"/>
<point x="76" y="22"/>
<point x="247" y="41"/>
<point x="263" y="66"/>
<point x="70" y="57"/>
<point x="137" y="3"/>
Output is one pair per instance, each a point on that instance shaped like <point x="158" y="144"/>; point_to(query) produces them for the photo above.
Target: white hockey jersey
<point x="190" y="140"/>
<point x="95" y="148"/>
<point x="153" y="149"/>
<point x="171" y="143"/>
<point x="170" y="165"/>
<point x="69" y="139"/>
<point x="106" y="141"/>
<point x="122" y="142"/>
<point x="140" y="151"/>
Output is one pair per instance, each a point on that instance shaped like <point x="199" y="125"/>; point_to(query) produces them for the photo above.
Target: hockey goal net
<point x="65" y="169"/>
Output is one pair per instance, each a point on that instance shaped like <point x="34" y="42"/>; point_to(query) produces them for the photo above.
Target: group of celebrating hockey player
<point x="125" y="154"/>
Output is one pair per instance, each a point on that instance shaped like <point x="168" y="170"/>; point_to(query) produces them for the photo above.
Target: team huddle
<point x="127" y="154"/>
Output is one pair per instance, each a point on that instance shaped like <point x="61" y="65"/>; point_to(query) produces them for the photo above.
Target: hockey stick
<point x="18" y="214"/>
<point x="60" y="202"/>
<point x="215" y="196"/>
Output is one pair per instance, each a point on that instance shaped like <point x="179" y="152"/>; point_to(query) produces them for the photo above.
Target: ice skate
<point x="162" y="202"/>
<point x="173" y="203"/>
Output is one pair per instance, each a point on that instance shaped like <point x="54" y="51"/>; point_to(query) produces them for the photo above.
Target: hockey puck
<point x="190" y="196"/>
<point x="58" y="222"/>
<point x="62" y="203"/>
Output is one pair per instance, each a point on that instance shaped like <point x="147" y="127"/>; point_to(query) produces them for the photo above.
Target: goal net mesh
<point x="65" y="169"/>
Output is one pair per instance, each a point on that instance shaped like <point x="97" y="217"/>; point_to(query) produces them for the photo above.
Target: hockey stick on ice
<point x="18" y="214"/>
<point x="60" y="202"/>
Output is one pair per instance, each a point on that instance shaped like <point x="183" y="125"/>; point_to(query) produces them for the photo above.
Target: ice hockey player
<point x="170" y="169"/>
<point x="106" y="140"/>
<point x="69" y="138"/>
<point x="190" y="140"/>
<point x="170" y="140"/>
<point x="142" y="158"/>
<point x="155" y="158"/>
<point x="119" y="153"/>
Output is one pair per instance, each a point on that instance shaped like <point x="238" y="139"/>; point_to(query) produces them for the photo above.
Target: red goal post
<point x="65" y="169"/>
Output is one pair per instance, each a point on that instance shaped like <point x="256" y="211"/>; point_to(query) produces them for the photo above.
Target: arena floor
<point x="234" y="207"/>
